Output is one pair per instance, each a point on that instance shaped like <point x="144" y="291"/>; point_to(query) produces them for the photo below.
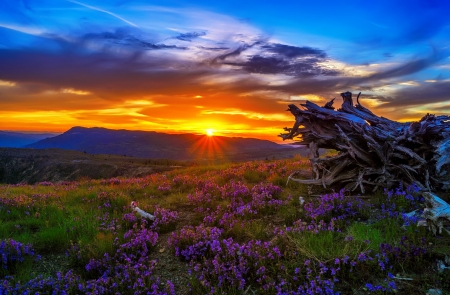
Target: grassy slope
<point x="332" y="242"/>
<point x="19" y="165"/>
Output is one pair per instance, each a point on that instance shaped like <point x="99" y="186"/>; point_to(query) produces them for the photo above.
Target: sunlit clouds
<point x="6" y="83"/>
<point x="202" y="66"/>
<point x="74" y="91"/>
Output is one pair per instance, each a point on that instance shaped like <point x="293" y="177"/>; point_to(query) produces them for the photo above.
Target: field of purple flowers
<point x="234" y="228"/>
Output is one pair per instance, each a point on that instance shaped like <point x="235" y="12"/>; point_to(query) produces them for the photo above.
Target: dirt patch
<point x="172" y="268"/>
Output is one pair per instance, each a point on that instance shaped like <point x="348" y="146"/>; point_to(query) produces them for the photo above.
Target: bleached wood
<point x="374" y="152"/>
<point x="141" y="212"/>
<point x="437" y="212"/>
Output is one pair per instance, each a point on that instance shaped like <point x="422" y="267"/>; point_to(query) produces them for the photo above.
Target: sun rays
<point x="209" y="147"/>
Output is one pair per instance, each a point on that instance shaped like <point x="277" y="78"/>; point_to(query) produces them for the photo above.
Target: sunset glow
<point x="185" y="66"/>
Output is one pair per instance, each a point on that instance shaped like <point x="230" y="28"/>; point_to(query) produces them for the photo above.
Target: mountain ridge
<point x="157" y="145"/>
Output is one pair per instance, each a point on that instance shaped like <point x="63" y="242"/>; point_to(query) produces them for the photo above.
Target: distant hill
<point x="155" y="145"/>
<point x="20" y="165"/>
<point x="17" y="139"/>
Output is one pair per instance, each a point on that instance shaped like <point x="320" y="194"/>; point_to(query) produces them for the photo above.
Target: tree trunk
<point x="374" y="152"/>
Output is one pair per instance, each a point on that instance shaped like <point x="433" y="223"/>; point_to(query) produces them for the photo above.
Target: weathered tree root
<point x="374" y="152"/>
<point x="436" y="213"/>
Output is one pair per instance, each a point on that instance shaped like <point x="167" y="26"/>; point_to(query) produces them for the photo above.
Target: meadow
<point x="219" y="229"/>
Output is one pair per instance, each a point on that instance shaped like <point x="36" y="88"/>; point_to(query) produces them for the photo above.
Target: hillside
<point x="145" y="144"/>
<point x="54" y="165"/>
<point x="18" y="139"/>
<point x="217" y="230"/>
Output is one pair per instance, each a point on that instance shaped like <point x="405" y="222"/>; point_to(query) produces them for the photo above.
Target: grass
<point x="362" y="232"/>
<point x="323" y="246"/>
<point x="266" y="236"/>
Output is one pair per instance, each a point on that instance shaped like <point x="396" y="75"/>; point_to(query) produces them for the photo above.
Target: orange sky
<point x="189" y="69"/>
<point x="194" y="109"/>
<point x="227" y="113"/>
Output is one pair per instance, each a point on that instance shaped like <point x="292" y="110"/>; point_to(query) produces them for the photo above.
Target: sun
<point x="210" y="132"/>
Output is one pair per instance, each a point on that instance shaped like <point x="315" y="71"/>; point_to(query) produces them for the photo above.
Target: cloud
<point x="340" y="83"/>
<point x="427" y="93"/>
<point x="241" y="47"/>
<point x="294" y="51"/>
<point x="412" y="66"/>
<point x="189" y="36"/>
<point x="275" y="58"/>
<point x="104" y="11"/>
<point x="114" y="74"/>
<point x="275" y="65"/>
<point x="125" y="36"/>
<point x="213" y="48"/>
<point x="23" y="29"/>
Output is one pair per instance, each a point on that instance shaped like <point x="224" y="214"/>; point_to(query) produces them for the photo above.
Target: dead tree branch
<point x="374" y="152"/>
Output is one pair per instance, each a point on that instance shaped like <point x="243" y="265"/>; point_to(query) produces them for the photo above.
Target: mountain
<point x="17" y="139"/>
<point x="155" y="145"/>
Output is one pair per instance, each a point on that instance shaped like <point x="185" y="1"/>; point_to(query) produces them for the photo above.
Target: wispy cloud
<point x="104" y="11"/>
<point x="24" y="29"/>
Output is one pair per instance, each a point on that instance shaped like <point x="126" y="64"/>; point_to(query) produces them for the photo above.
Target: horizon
<point x="230" y="68"/>
<point x="207" y="134"/>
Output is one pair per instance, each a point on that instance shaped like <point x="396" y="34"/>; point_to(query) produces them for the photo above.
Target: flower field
<point x="225" y="229"/>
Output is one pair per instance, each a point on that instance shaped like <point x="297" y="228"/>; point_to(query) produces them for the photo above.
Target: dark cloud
<point x="121" y="74"/>
<point x="419" y="95"/>
<point x="235" y="52"/>
<point x="243" y="46"/>
<point x="276" y="65"/>
<point x="342" y="83"/>
<point x="123" y="36"/>
<point x="213" y="48"/>
<point x="104" y="73"/>
<point x="286" y="59"/>
<point x="189" y="36"/>
<point x="264" y="65"/>
<point x="294" y="51"/>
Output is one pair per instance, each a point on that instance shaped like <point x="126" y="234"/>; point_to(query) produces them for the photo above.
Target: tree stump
<point x="373" y="152"/>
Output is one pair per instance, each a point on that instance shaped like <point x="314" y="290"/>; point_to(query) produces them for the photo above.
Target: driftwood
<point x="373" y="152"/>
<point x="141" y="212"/>
<point x="436" y="213"/>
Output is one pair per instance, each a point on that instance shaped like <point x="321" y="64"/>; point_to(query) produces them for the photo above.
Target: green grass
<point x="56" y="219"/>
<point x="325" y="245"/>
<point x="254" y="176"/>
<point x="362" y="232"/>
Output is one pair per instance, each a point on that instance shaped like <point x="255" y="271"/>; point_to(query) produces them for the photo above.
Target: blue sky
<point x="232" y="66"/>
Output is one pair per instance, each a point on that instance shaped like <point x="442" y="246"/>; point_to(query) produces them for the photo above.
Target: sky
<point x="230" y="67"/>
